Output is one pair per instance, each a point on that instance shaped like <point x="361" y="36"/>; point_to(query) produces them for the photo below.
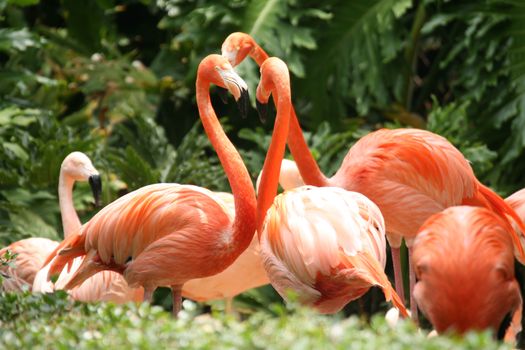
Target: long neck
<point x="238" y="176"/>
<point x="275" y="154"/>
<point x="306" y="163"/>
<point x="70" y="221"/>
<point x="258" y="54"/>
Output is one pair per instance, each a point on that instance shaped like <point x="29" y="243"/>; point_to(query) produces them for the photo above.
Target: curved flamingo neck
<point x="70" y="221"/>
<point x="238" y="176"/>
<point x="275" y="154"/>
<point x="258" y="54"/>
<point x="306" y="163"/>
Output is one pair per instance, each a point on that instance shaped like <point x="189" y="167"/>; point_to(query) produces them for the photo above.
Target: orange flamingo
<point x="326" y="244"/>
<point x="247" y="271"/>
<point x="33" y="251"/>
<point x="409" y="173"/>
<point x="464" y="263"/>
<point x="167" y="234"/>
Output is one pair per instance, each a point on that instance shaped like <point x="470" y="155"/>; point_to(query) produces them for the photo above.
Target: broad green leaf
<point x="15" y="150"/>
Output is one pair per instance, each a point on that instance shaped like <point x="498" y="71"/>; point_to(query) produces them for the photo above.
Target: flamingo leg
<point x="176" y="291"/>
<point x="412" y="274"/>
<point x="148" y="295"/>
<point x="228" y="307"/>
<point x="398" y="276"/>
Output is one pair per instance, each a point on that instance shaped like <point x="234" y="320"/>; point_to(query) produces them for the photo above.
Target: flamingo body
<point x="464" y="262"/>
<point x="407" y="171"/>
<point x="326" y="244"/>
<point x="159" y="235"/>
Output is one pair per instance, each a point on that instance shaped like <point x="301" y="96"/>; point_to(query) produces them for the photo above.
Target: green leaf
<point x="16" y="40"/>
<point x="15" y="150"/>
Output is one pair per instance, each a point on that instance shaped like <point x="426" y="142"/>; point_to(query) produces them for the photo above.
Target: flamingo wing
<point x="128" y="234"/>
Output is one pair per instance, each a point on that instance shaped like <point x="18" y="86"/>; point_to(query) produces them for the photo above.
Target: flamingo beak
<point x="237" y="87"/>
<point x="223" y="94"/>
<point x="243" y="103"/>
<point x="96" y="187"/>
<point x="262" y="110"/>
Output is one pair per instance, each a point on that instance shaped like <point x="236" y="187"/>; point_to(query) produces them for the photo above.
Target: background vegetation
<point x="115" y="79"/>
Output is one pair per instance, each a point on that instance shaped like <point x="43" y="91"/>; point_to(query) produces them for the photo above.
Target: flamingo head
<point x="274" y="72"/>
<point x="78" y="167"/>
<point x="237" y="46"/>
<point x="217" y="70"/>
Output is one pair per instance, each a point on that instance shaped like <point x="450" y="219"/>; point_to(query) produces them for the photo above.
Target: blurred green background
<point x="115" y="79"/>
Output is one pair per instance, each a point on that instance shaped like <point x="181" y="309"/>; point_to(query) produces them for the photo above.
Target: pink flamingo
<point x="409" y="173"/>
<point x="168" y="234"/>
<point x="464" y="263"/>
<point x="326" y="244"/>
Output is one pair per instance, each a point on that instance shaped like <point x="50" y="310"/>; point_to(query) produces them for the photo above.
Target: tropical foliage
<point x="50" y="321"/>
<point x="115" y="79"/>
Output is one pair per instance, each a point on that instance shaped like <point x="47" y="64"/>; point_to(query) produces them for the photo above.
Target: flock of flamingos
<point x="325" y="241"/>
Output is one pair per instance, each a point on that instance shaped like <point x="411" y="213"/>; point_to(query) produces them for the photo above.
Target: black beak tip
<point x="96" y="187"/>
<point x="223" y="94"/>
<point x="243" y="103"/>
<point x="262" y="109"/>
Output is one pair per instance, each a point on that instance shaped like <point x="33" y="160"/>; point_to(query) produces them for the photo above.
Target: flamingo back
<point x="309" y="237"/>
<point x="407" y="170"/>
<point x="464" y="262"/>
<point x="124" y="229"/>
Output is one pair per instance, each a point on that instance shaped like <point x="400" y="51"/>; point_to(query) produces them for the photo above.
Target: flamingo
<point x="33" y="251"/>
<point x="326" y="244"/>
<point x="409" y="173"/>
<point x="168" y="234"/>
<point x="464" y="262"/>
<point x="247" y="271"/>
<point x="105" y="285"/>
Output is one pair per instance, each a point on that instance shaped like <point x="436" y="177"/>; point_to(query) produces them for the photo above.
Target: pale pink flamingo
<point x="31" y="254"/>
<point x="105" y="285"/>
<point x="168" y="234"/>
<point x="409" y="173"/>
<point x="325" y="244"/>
<point x="464" y="262"/>
<point x="33" y="251"/>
